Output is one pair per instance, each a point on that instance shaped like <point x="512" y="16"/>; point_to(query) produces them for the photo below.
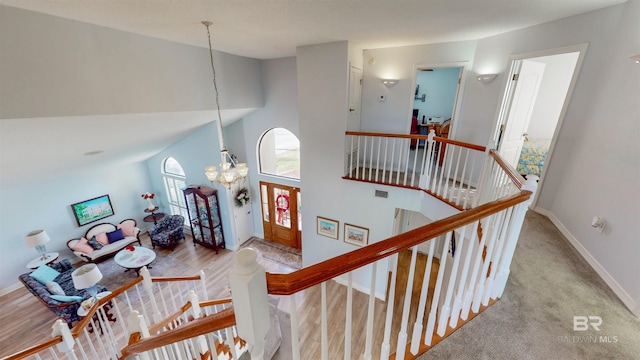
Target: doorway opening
<point x="436" y="99"/>
<point x="538" y="90"/>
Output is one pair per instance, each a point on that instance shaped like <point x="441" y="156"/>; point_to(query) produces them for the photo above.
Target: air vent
<point x="382" y="194"/>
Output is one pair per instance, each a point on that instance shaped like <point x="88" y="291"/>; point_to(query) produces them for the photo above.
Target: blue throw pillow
<point x="44" y="273"/>
<point x="66" y="298"/>
<point x="94" y="243"/>
<point x="115" y="236"/>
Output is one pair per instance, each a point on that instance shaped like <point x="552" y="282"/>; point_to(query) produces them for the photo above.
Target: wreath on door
<point x="282" y="205"/>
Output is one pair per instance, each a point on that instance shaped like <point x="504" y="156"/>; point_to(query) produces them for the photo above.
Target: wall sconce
<point x="486" y="78"/>
<point x="636" y="58"/>
<point x="389" y="82"/>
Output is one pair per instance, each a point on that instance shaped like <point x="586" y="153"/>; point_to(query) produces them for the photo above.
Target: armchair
<point x="168" y="232"/>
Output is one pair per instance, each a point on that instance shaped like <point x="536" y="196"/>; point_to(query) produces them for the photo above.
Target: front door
<point x="281" y="213"/>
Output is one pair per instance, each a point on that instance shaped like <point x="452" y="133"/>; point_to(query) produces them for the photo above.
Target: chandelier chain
<point x="215" y="83"/>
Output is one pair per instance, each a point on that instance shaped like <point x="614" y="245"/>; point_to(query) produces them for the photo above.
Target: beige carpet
<point x="550" y="283"/>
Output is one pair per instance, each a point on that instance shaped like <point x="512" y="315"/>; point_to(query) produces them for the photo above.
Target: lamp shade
<point x="36" y="238"/>
<point x="86" y="276"/>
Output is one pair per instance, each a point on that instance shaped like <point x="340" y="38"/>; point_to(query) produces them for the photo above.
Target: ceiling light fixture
<point x="231" y="171"/>
<point x="636" y="58"/>
<point x="389" y="82"/>
<point x="486" y="78"/>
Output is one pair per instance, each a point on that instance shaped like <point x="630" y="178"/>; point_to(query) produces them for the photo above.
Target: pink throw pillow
<point x="127" y="228"/>
<point x="102" y="238"/>
<point x="83" y="246"/>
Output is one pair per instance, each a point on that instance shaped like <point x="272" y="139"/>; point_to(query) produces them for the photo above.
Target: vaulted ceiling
<point x="251" y="28"/>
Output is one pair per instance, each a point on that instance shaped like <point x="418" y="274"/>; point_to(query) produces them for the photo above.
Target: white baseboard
<point x="627" y="300"/>
<point x="362" y="289"/>
<point x="10" y="288"/>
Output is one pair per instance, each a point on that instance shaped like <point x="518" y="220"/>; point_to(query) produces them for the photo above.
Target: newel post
<point x="250" y="302"/>
<point x="60" y="328"/>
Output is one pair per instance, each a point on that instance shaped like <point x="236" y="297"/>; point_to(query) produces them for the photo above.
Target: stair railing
<point x="445" y="168"/>
<point x="464" y="270"/>
<point x="103" y="332"/>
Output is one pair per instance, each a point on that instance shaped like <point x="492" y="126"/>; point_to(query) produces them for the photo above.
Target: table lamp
<point x="37" y="239"/>
<point x="87" y="277"/>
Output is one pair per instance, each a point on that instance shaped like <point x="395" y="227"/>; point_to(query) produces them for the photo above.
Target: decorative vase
<point x="151" y="207"/>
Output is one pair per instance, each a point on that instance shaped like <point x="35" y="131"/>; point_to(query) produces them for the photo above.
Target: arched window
<point x="174" y="180"/>
<point x="280" y="153"/>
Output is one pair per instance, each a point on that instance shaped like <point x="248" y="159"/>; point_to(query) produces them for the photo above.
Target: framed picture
<point x="92" y="210"/>
<point x="328" y="227"/>
<point x="356" y="235"/>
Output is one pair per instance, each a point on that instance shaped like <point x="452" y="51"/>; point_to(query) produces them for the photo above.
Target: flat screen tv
<point x="92" y="210"/>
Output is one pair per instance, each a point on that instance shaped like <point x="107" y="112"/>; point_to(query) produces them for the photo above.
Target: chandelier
<point x="231" y="171"/>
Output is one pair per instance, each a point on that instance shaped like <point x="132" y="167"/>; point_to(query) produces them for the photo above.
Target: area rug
<point x="276" y="252"/>
<point x="115" y="276"/>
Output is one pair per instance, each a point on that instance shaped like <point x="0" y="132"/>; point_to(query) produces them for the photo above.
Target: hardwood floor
<point x="25" y="321"/>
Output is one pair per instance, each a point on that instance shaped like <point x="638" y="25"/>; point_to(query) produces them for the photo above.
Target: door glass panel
<point x="265" y="202"/>
<point x="283" y="213"/>
<point x="299" y="211"/>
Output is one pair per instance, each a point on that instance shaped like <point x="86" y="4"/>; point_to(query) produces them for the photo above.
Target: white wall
<point x="77" y="68"/>
<point x="589" y="174"/>
<point x="47" y="206"/>
<point x="553" y="89"/>
<point x="279" y="82"/>
<point x="394" y="114"/>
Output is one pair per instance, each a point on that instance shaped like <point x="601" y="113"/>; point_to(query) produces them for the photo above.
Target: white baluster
<point x="146" y="280"/>
<point x="295" y="337"/>
<point x="497" y="254"/>
<point x="468" y="194"/>
<point x="384" y="165"/>
<point x="372" y="302"/>
<point x="60" y="328"/>
<point x="137" y="324"/>
<point x="347" y="326"/>
<point x="358" y="159"/>
<point x="457" y="304"/>
<point x="371" y="159"/>
<point x="446" y="308"/>
<point x="385" y="349"/>
<point x="431" y="322"/>
<point x="402" y="335"/>
<point x="249" y="292"/>
<point x="497" y="219"/>
<point x="426" y="278"/>
<point x="378" y="159"/>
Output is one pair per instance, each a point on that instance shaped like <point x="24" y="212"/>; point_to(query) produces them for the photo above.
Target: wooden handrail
<point x="34" y="349"/>
<point x="512" y="173"/>
<point x="175" y="278"/>
<point x="287" y="284"/>
<point x="420" y="137"/>
<point x="201" y="326"/>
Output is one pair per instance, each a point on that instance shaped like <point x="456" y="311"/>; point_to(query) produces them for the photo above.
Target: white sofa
<point x="107" y="250"/>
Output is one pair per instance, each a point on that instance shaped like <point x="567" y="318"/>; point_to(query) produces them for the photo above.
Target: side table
<point x="154" y="217"/>
<point x="49" y="258"/>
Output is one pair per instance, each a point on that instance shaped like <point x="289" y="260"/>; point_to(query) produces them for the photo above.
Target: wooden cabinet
<point x="204" y="216"/>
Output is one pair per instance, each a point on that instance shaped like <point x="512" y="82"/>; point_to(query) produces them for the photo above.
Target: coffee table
<point x="136" y="259"/>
